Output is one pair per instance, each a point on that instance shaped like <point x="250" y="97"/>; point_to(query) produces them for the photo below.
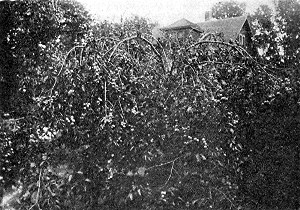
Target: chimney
<point x="208" y="15"/>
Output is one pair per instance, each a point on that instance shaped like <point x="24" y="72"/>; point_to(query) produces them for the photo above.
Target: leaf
<point x="130" y="195"/>
<point x="101" y="200"/>
<point x="34" y="197"/>
<point x="139" y="191"/>
<point x="70" y="92"/>
<point x="189" y="110"/>
<point x="129" y="173"/>
<point x="203" y="157"/>
<point x="141" y="171"/>
<point x="70" y="178"/>
<point x="198" y="157"/>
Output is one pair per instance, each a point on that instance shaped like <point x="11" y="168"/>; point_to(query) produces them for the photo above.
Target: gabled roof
<point x="182" y="24"/>
<point x="230" y="27"/>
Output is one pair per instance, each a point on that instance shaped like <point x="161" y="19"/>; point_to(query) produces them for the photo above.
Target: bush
<point x="126" y="124"/>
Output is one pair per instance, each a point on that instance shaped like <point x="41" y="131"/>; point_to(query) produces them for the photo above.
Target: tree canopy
<point x="27" y="27"/>
<point x="227" y="9"/>
<point x="276" y="33"/>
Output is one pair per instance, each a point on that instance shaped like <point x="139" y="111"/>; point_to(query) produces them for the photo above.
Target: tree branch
<point x="38" y="192"/>
<point x="239" y="49"/>
<point x="171" y="172"/>
<point x="61" y="68"/>
<point x="155" y="166"/>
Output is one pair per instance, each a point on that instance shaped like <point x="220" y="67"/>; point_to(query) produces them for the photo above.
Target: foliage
<point x="227" y="9"/>
<point x="117" y="122"/>
<point x="276" y="33"/>
<point x="288" y="24"/>
<point x="29" y="26"/>
<point x="265" y="37"/>
<point x="267" y="131"/>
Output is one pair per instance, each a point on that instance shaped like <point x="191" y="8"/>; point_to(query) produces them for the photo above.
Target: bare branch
<point x="226" y="197"/>
<point x="171" y="173"/>
<point x="239" y="49"/>
<point x="155" y="166"/>
<point x="105" y="98"/>
<point x="62" y="66"/>
<point x="131" y="38"/>
<point x="38" y="192"/>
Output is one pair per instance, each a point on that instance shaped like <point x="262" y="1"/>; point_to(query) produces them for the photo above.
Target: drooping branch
<point x="243" y="52"/>
<point x="170" y="175"/>
<point x="113" y="49"/>
<point x="166" y="163"/>
<point x="61" y="71"/>
<point x="38" y="191"/>
<point x="216" y="42"/>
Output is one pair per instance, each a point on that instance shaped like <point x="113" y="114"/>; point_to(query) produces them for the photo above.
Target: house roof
<point x="230" y="27"/>
<point x="182" y="24"/>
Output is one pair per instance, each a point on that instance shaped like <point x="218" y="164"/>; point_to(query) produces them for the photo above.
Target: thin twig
<point x="227" y="198"/>
<point x="152" y="47"/>
<point x="104" y="68"/>
<point x="122" y="113"/>
<point x="214" y="62"/>
<point x="131" y="38"/>
<point x="212" y="42"/>
<point x="62" y="66"/>
<point x="162" y="48"/>
<point x="114" y="48"/>
<point x="105" y="97"/>
<point x="155" y="166"/>
<point x="12" y="120"/>
<point x="171" y="173"/>
<point x="239" y="49"/>
<point x="171" y="94"/>
<point x="38" y="192"/>
<point x="206" y="36"/>
<point x="80" y="58"/>
<point x="105" y="37"/>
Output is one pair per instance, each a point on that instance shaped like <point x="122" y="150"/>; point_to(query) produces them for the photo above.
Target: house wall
<point x="248" y="44"/>
<point x="196" y="34"/>
<point x="184" y="33"/>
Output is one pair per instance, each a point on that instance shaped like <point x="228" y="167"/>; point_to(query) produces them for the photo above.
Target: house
<point x="236" y="29"/>
<point x="183" y="28"/>
<point x="232" y="29"/>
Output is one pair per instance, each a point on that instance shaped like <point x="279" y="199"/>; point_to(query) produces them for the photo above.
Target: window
<point x="242" y="39"/>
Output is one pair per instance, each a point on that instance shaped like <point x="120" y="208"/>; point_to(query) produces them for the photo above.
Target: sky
<point x="164" y="12"/>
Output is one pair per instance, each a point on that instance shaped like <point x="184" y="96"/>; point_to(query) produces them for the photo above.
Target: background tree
<point x="276" y="33"/>
<point x="7" y="69"/>
<point x="288" y="23"/>
<point x="227" y="9"/>
<point x="28" y="27"/>
<point x="272" y="36"/>
<point x="265" y="36"/>
<point x="35" y="37"/>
